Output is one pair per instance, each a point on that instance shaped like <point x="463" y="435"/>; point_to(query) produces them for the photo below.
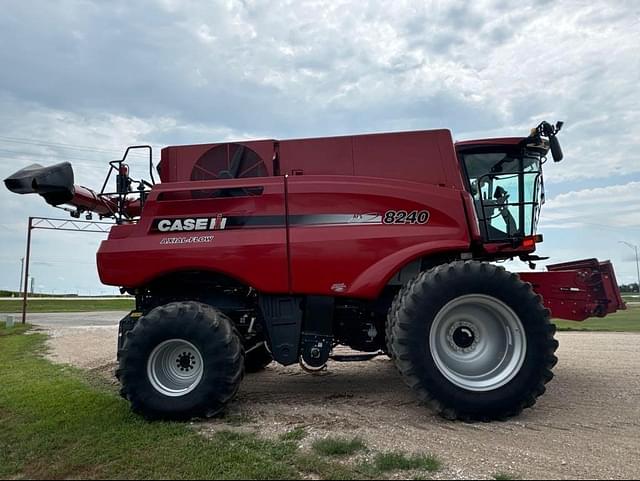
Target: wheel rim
<point x="175" y="368"/>
<point x="478" y="342"/>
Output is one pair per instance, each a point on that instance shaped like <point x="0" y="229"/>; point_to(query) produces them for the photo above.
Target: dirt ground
<point x="587" y="425"/>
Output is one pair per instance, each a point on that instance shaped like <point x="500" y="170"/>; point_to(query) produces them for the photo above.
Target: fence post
<point x="26" y="276"/>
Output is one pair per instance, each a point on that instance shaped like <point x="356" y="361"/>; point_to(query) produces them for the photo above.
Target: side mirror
<point x="556" y="150"/>
<point x="545" y="129"/>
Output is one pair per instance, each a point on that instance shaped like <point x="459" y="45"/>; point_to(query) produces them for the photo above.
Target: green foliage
<point x="622" y="321"/>
<point x="325" y="469"/>
<point x="53" y="425"/>
<point x="68" y="305"/>
<point x="297" y="434"/>
<point x="338" y="446"/>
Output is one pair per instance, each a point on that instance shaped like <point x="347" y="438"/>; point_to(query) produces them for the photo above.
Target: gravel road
<point x="587" y="425"/>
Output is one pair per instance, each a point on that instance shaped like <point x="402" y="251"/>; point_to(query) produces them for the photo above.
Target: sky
<point x="81" y="80"/>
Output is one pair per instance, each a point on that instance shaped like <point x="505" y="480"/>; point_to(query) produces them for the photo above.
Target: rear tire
<point x="182" y="360"/>
<point x="473" y="341"/>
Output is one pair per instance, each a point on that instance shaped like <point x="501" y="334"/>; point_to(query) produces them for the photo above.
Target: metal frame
<point x="50" y="223"/>
<point x="521" y="205"/>
<point x="115" y="165"/>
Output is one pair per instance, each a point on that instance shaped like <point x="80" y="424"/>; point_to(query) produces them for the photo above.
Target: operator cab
<point x="504" y="176"/>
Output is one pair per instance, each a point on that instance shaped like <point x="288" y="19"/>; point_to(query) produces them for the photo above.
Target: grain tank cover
<point x="426" y="156"/>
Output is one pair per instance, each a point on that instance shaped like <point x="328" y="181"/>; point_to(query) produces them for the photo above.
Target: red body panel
<point x="502" y="141"/>
<point x="579" y="290"/>
<point x="372" y="174"/>
<point x="321" y="255"/>
<point x="357" y="260"/>
<point x="423" y="156"/>
<point x="177" y="163"/>
<point x="133" y="255"/>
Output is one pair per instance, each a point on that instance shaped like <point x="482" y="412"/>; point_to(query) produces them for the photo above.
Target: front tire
<point x="473" y="341"/>
<point x="182" y="360"/>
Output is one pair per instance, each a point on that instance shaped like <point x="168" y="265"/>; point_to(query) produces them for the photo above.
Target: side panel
<point x="340" y="244"/>
<point x="333" y="155"/>
<point x="413" y="156"/>
<point x="424" y="156"/>
<point x="177" y="163"/>
<point x="250" y="245"/>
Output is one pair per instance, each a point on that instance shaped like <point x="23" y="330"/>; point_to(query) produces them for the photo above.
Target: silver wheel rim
<point x="478" y="342"/>
<point x="175" y="368"/>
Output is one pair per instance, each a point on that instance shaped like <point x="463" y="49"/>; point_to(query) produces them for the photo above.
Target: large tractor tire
<point x="182" y="360"/>
<point x="257" y="358"/>
<point x="473" y="341"/>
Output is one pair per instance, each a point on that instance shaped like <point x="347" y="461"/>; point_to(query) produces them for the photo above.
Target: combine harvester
<point x="267" y="250"/>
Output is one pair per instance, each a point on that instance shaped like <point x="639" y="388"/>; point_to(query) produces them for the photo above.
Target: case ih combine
<point x="282" y="250"/>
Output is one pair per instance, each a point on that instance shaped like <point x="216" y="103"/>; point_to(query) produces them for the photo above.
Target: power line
<point x="57" y="155"/>
<point x="44" y="160"/>
<point x="52" y="155"/>
<point x="42" y="143"/>
<point x="46" y="262"/>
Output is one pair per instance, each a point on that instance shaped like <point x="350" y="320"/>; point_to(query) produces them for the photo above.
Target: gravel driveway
<point x="586" y="426"/>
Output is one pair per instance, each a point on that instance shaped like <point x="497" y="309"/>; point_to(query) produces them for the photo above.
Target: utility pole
<point x="21" y="275"/>
<point x="25" y="293"/>
<point x="635" y="249"/>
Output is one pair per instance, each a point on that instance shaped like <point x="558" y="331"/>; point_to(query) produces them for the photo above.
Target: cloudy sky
<point x="80" y="80"/>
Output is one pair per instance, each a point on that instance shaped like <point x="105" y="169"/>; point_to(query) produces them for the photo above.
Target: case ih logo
<point x="190" y="224"/>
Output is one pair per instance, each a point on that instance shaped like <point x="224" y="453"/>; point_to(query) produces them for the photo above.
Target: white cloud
<point x="617" y="206"/>
<point x="106" y="75"/>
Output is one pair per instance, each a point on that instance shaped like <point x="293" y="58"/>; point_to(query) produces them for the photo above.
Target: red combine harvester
<point x="257" y="251"/>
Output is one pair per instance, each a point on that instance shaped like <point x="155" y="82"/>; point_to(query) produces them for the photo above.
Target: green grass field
<point x="60" y="423"/>
<point x="68" y="305"/>
<point x="622" y="321"/>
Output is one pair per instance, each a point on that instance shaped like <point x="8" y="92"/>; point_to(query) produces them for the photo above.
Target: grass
<point x="380" y="468"/>
<point x="622" y="321"/>
<point x="4" y="293"/>
<point x="54" y="424"/>
<point x="296" y="435"/>
<point x="338" y="446"/>
<point x="238" y="420"/>
<point x="326" y="468"/>
<point x="69" y="305"/>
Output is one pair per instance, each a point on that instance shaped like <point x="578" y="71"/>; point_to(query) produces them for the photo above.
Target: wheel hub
<point x="463" y="336"/>
<point x="478" y="342"/>
<point x="186" y="361"/>
<point x="175" y="368"/>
